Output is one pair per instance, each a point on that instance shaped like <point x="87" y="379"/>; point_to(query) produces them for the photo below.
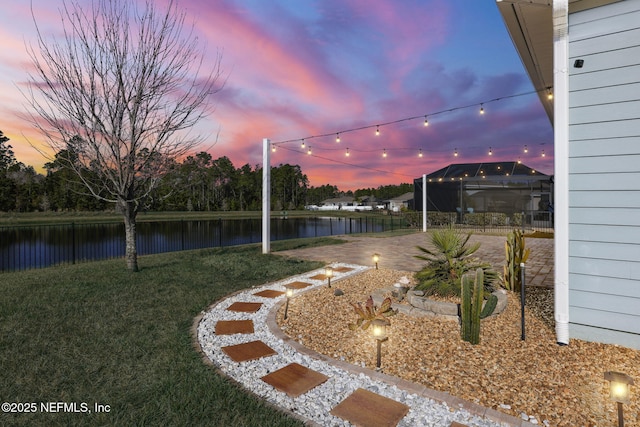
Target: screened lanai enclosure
<point x="497" y="194"/>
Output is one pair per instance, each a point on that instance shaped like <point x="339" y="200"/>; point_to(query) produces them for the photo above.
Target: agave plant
<point x="369" y="312"/>
<point x="450" y="260"/>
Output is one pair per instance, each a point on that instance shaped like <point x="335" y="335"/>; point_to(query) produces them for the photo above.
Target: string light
<point x="377" y="126"/>
<point x="273" y="148"/>
<point x="549" y="94"/>
<point x="377" y="132"/>
<point x="455" y="152"/>
<point x="526" y="150"/>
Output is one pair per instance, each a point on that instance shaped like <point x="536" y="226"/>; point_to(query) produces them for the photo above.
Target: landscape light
<point x="376" y="258"/>
<point x="619" y="385"/>
<point x="289" y="293"/>
<point x="379" y="332"/>
<point x="328" y="272"/>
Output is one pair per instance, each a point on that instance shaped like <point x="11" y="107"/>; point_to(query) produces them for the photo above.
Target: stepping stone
<point x="248" y="351"/>
<point x="230" y="327"/>
<point x="365" y="408"/>
<point x="269" y="293"/>
<point x="245" y="307"/>
<point x="318" y="277"/>
<point x="295" y="379"/>
<point x="342" y="269"/>
<point x="297" y="285"/>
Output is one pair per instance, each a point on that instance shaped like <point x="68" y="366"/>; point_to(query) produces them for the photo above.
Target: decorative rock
<point x="338" y="292"/>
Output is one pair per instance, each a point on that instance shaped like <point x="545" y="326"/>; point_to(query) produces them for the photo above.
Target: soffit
<point x="530" y="25"/>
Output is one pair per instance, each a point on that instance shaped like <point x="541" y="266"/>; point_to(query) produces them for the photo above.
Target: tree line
<point x="197" y="183"/>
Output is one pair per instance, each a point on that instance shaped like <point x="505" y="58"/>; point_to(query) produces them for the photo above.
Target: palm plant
<point x="448" y="262"/>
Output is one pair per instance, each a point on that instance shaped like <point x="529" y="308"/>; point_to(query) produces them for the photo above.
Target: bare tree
<point x="121" y="88"/>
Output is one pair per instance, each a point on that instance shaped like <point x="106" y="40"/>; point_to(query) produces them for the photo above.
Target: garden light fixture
<point x="379" y="332"/>
<point x="619" y="390"/>
<point x="289" y="293"/>
<point x="376" y="258"/>
<point x="328" y="272"/>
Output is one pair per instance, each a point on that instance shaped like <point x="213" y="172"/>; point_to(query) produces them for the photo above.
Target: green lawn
<point x="95" y="333"/>
<point x="43" y="218"/>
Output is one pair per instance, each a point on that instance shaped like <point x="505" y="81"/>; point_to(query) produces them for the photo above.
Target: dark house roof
<point x="478" y="170"/>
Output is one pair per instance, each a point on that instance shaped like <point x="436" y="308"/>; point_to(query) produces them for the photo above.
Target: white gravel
<point x="315" y="404"/>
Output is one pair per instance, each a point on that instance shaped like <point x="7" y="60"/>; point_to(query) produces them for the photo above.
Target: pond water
<point x="24" y="248"/>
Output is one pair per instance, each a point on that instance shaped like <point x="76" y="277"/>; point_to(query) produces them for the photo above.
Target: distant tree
<point x="7" y="185"/>
<point x="288" y="186"/>
<point x="7" y="158"/>
<point x="315" y="195"/>
<point x="124" y="84"/>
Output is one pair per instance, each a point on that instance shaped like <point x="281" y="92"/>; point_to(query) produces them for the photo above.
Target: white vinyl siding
<point x="604" y="172"/>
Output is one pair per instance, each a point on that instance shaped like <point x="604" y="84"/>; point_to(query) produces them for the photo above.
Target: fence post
<point x="182" y="234"/>
<point x="73" y="242"/>
<point x="330" y="227"/>
<point x="522" y="297"/>
<point x="220" y="231"/>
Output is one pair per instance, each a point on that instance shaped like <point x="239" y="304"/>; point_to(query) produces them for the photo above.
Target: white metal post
<point x="424" y="202"/>
<point x="266" y="196"/>
<point x="561" y="166"/>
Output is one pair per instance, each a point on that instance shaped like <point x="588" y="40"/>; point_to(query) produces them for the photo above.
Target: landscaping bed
<point x="535" y="379"/>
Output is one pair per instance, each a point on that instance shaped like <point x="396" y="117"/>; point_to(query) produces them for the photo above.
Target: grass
<point x="95" y="333"/>
<point x="46" y="218"/>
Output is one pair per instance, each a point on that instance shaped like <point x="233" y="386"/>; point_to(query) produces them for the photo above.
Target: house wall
<point x="604" y="174"/>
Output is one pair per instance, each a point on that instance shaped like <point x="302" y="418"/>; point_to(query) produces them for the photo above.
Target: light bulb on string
<point x="302" y="144"/>
<point x="549" y="94"/>
<point x="384" y="152"/>
<point x="347" y="152"/>
<point x="426" y="121"/>
<point x="526" y="150"/>
<point x="543" y="155"/>
<point x="377" y="130"/>
<point x="519" y="161"/>
<point x="455" y="152"/>
<point x="309" y="151"/>
<point x="420" y="152"/>
<point x="481" y="108"/>
<point x="337" y="137"/>
<point x="490" y="151"/>
<point x="273" y="148"/>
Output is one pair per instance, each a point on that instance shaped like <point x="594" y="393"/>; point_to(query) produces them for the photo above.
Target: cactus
<point x="471" y="306"/>
<point x="489" y="306"/>
<point x="369" y="312"/>
<point x="516" y="253"/>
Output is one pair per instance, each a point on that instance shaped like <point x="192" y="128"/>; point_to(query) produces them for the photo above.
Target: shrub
<point x="450" y="260"/>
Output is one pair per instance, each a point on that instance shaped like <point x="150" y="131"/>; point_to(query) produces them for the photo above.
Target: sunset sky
<point x="301" y="68"/>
